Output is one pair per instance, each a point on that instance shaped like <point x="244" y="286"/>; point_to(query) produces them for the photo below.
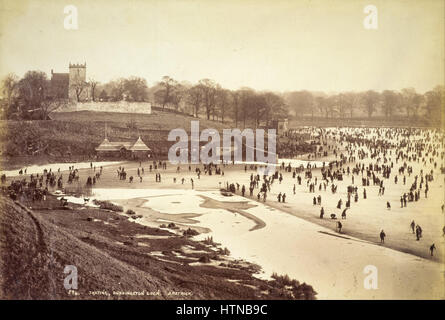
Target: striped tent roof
<point x="106" y="145"/>
<point x="139" y="145"/>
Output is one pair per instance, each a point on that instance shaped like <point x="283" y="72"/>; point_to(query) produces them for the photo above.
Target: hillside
<point x="75" y="135"/>
<point x="112" y="254"/>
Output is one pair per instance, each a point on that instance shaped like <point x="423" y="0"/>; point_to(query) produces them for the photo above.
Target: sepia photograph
<point x="222" y="150"/>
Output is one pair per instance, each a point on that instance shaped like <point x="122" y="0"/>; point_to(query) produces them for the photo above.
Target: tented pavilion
<point x="119" y="149"/>
<point x="140" y="150"/>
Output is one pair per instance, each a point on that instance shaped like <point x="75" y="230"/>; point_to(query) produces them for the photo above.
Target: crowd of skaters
<point x="374" y="157"/>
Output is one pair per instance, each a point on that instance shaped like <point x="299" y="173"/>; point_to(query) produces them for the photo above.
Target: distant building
<point x="281" y="125"/>
<point x="59" y="85"/>
<point x="72" y="84"/>
<point x="127" y="150"/>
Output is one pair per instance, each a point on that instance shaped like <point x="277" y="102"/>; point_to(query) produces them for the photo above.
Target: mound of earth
<point x="114" y="257"/>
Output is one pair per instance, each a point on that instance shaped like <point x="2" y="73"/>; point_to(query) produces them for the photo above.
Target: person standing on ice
<point x="322" y="214"/>
<point x="338" y="204"/>
<point x="413" y="225"/>
<point x="343" y="214"/>
<point x="432" y="248"/>
<point x="382" y="236"/>
<point x="418" y="232"/>
<point x="339" y="226"/>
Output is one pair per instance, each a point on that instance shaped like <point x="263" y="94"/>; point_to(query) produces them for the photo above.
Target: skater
<point x="413" y="226"/>
<point x="322" y="213"/>
<point x="432" y="248"/>
<point x="382" y="236"/>
<point x="343" y="214"/>
<point x="338" y="204"/>
<point x="339" y="226"/>
<point x="418" y="233"/>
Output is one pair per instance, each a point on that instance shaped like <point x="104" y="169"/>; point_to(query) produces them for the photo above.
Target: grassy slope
<point x="36" y="245"/>
<point x="75" y="135"/>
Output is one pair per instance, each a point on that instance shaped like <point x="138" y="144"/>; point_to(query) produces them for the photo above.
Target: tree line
<point x="388" y="103"/>
<point x="33" y="95"/>
<point x="216" y="103"/>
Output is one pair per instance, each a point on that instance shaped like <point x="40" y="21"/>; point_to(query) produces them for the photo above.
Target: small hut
<point x="114" y="149"/>
<point x="139" y="150"/>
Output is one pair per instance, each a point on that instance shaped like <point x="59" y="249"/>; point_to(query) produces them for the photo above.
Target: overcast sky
<point x="266" y="45"/>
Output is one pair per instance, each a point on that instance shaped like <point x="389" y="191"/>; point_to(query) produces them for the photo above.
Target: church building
<point x="71" y="85"/>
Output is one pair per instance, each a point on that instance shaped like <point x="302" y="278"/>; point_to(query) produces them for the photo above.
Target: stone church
<point x="71" y="85"/>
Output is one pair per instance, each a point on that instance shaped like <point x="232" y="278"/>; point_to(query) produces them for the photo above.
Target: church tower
<point x="77" y="81"/>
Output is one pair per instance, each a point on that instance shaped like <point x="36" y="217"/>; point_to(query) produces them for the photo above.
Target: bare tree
<point x="408" y="97"/>
<point x="321" y="104"/>
<point x="194" y="98"/>
<point x="235" y="105"/>
<point x="275" y="107"/>
<point x="93" y="85"/>
<point x="417" y="103"/>
<point x="434" y="104"/>
<point x="9" y="88"/>
<point x="177" y="95"/>
<point x="208" y="88"/>
<point x="245" y="98"/>
<point x="371" y="100"/>
<point x="164" y="95"/>
<point x="32" y="90"/>
<point x="79" y="86"/>
<point x="135" y="88"/>
<point x="351" y="101"/>
<point x="301" y="102"/>
<point x="222" y="101"/>
<point x="342" y="104"/>
<point x="390" y="102"/>
<point x="50" y="105"/>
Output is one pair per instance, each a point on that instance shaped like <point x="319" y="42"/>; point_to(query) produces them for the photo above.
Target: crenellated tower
<point x="77" y="78"/>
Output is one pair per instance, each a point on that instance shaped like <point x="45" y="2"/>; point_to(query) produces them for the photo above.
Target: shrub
<point x="209" y="241"/>
<point x="204" y="259"/>
<point x="285" y="286"/>
<point x="225" y="252"/>
<point x="190" y="232"/>
<point x="108" y="206"/>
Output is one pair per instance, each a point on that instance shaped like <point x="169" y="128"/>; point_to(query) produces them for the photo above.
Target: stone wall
<point x="118" y="106"/>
